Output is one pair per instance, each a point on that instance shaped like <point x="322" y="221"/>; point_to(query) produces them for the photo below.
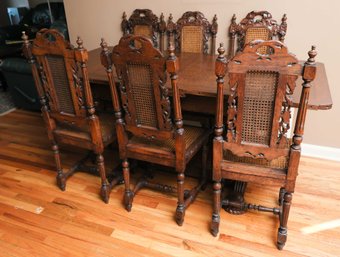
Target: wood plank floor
<point x="37" y="219"/>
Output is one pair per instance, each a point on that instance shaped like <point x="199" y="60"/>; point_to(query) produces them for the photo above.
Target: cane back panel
<point x="259" y="104"/>
<point x="192" y="33"/>
<point x="144" y="96"/>
<point x="257" y="33"/>
<point x="59" y="78"/>
<point x="140" y="80"/>
<point x="192" y="39"/>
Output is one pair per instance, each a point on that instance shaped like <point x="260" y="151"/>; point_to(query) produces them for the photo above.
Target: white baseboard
<point x="323" y="152"/>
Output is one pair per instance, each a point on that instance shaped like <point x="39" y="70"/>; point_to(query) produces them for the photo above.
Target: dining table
<point x="197" y="84"/>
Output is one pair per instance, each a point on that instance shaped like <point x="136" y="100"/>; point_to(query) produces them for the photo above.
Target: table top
<point x="196" y="76"/>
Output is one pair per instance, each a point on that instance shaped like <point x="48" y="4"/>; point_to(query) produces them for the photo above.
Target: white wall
<point x="309" y="22"/>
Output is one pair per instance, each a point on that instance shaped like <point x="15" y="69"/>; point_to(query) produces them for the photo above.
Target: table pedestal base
<point x="233" y="202"/>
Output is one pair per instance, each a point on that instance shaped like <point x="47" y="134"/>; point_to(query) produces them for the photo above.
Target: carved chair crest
<point x="257" y="26"/>
<point x="197" y="38"/>
<point x="142" y="22"/>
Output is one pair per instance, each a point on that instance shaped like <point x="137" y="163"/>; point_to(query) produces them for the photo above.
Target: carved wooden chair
<point x="143" y="22"/>
<point x="191" y="33"/>
<point x="255" y="26"/>
<point x="255" y="147"/>
<point x="148" y="131"/>
<point x="61" y="79"/>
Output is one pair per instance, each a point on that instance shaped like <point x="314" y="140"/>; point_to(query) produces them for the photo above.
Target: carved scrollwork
<point x="285" y="114"/>
<point x="165" y="105"/>
<point x="124" y="97"/>
<point x="47" y="89"/>
<point x="232" y="110"/>
<point x="78" y="87"/>
<point x="254" y="155"/>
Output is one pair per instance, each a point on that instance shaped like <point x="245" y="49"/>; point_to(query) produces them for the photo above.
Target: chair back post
<point x="308" y="75"/>
<point x="171" y="29"/>
<point x="106" y="60"/>
<point x="220" y="71"/>
<point x="81" y="56"/>
<point x="125" y="25"/>
<point x="232" y="35"/>
<point x="172" y="66"/>
<point x="162" y="30"/>
<point x="27" y="50"/>
<point x="283" y="28"/>
<point x="214" y="29"/>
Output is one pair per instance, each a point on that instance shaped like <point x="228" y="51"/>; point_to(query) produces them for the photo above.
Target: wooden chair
<point x="191" y="33"/>
<point x="255" y="147"/>
<point x="143" y="22"/>
<point x="149" y="131"/>
<point x="255" y="26"/>
<point x="61" y="79"/>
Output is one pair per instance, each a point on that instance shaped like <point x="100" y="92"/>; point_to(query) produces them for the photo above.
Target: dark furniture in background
<point x="256" y="25"/>
<point x="61" y="79"/>
<point x="255" y="147"/>
<point x="191" y="33"/>
<point x="146" y="128"/>
<point x="143" y="22"/>
<point x="34" y="20"/>
<point x="15" y="72"/>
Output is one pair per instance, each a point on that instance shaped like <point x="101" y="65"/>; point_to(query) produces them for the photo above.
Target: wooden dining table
<point x="197" y="82"/>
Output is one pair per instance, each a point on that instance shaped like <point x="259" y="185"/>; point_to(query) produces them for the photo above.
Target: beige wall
<point x="309" y="22"/>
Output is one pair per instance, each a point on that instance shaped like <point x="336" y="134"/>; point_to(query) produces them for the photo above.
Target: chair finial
<point x="221" y="50"/>
<point x="24" y="37"/>
<point x="312" y="53"/>
<point x="80" y="43"/>
<point x="233" y="19"/>
<point x="171" y="50"/>
<point x="124" y="16"/>
<point x="215" y="18"/>
<point x="103" y="44"/>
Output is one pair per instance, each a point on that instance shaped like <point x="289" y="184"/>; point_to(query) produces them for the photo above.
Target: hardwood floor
<point x="37" y="219"/>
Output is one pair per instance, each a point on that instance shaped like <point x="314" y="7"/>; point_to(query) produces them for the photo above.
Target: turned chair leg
<point x="282" y="231"/>
<point x="128" y="195"/>
<point x="105" y="188"/>
<point x="180" y="211"/>
<point x="61" y="180"/>
<point x="281" y="194"/>
<point x="215" y="223"/>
